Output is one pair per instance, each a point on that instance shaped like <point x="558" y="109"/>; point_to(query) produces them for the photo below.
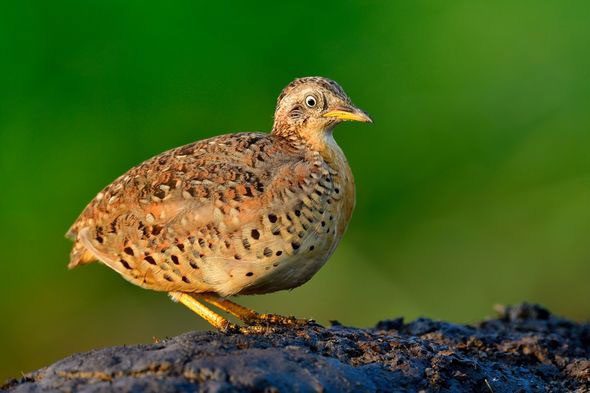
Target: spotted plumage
<point x="241" y="213"/>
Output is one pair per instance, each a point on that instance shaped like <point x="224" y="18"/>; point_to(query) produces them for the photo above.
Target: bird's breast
<point x="332" y="211"/>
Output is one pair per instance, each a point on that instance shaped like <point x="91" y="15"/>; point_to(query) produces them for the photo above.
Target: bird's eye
<point x="310" y="101"/>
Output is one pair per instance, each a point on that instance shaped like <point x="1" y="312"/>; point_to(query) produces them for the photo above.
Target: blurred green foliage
<point x="473" y="184"/>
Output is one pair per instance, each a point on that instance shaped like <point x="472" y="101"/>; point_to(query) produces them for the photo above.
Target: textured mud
<point x="526" y="349"/>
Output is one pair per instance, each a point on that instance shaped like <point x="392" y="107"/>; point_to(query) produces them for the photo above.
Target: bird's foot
<point x="278" y="320"/>
<point x="232" y="328"/>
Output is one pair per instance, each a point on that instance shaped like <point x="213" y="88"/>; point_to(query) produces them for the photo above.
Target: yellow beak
<point x="349" y="114"/>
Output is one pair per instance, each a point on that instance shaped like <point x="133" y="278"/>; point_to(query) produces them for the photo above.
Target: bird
<point x="236" y="214"/>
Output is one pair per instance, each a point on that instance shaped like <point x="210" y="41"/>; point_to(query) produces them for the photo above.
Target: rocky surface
<point x="526" y="349"/>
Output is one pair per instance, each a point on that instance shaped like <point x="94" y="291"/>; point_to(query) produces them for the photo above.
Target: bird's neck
<point x="321" y="141"/>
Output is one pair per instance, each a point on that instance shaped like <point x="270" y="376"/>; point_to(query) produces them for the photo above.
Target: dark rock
<point x="526" y="349"/>
<point x="390" y="324"/>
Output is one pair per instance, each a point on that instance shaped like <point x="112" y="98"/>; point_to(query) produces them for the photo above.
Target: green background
<point x="473" y="184"/>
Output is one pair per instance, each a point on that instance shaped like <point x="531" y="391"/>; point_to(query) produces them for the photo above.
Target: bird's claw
<point x="279" y="320"/>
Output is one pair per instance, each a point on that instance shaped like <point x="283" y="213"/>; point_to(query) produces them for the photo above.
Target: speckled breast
<point x="328" y="207"/>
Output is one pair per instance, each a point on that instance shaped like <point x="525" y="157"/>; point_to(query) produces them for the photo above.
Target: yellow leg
<point x="241" y="312"/>
<point x="199" y="308"/>
<point x="247" y="315"/>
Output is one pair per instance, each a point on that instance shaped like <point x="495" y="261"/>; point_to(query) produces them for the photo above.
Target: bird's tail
<point x="79" y="254"/>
